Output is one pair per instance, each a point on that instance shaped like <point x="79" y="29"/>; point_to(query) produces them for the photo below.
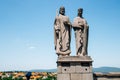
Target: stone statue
<point x="62" y="33"/>
<point x="81" y="27"/>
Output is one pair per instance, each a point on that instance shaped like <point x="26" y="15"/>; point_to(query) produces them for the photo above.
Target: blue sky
<point x="26" y="32"/>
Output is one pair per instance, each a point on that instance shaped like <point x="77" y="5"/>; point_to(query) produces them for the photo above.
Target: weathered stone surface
<point x="74" y="59"/>
<point x="81" y="28"/>
<point x="59" y="68"/>
<point x="76" y="77"/>
<point x="72" y="68"/>
<point x="85" y="69"/>
<point x="62" y="33"/>
<point x="78" y="67"/>
<point x="107" y="76"/>
<point x="87" y="76"/>
<point x="110" y="74"/>
<point x="63" y="77"/>
<point x="66" y="69"/>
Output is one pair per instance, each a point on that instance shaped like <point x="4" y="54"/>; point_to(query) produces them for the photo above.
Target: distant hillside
<point x="106" y="69"/>
<point x="101" y="69"/>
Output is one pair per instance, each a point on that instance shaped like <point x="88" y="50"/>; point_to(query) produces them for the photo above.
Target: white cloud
<point x="31" y="47"/>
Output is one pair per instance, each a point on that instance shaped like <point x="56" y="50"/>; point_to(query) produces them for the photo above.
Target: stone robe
<point x="81" y="35"/>
<point x="62" y="34"/>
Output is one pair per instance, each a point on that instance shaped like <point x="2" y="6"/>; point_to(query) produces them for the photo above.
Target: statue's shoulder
<point x="57" y="17"/>
<point x="77" y="18"/>
<point x="66" y="16"/>
<point x="84" y="20"/>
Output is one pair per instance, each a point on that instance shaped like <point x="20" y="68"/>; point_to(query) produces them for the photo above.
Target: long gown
<point x="81" y="28"/>
<point x="62" y="39"/>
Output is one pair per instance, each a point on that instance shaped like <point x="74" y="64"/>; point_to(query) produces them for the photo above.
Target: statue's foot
<point x="61" y="53"/>
<point x="79" y="54"/>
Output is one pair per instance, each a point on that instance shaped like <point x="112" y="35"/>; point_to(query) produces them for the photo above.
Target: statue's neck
<point x="80" y="16"/>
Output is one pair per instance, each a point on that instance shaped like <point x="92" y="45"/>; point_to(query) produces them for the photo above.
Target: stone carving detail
<point x="62" y="33"/>
<point x="80" y="27"/>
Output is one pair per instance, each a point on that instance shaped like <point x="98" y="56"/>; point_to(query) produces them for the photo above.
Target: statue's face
<point x="80" y="11"/>
<point x="62" y="11"/>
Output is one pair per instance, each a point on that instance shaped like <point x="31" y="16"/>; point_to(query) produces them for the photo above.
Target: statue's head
<point x="80" y="11"/>
<point x="62" y="10"/>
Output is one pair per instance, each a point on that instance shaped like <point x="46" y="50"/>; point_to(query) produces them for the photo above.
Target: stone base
<point x="75" y="76"/>
<point x="74" y="68"/>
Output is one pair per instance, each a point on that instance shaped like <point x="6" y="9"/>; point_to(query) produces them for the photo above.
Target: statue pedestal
<point x="74" y="68"/>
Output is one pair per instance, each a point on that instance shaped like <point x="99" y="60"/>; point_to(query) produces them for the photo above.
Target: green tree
<point x="7" y="78"/>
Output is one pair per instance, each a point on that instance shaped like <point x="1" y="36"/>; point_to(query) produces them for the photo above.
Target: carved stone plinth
<point x="74" y="68"/>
